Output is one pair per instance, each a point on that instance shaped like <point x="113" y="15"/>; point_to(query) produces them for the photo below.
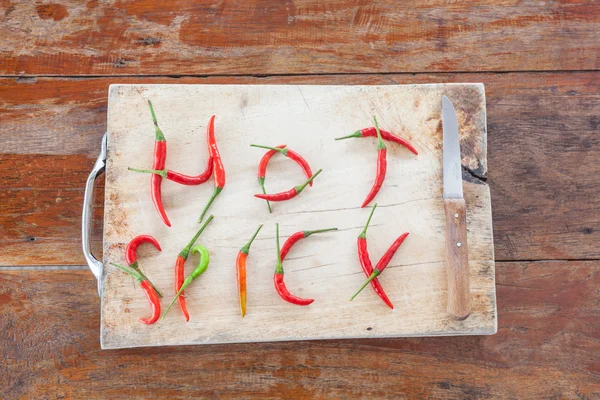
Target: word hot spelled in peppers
<point x="160" y="158"/>
<point x="381" y="166"/>
<point x="199" y="270"/>
<point x="150" y="294"/>
<point x="218" y="170"/>
<point x="280" y="284"/>
<point x="365" y="261"/>
<point x="240" y="269"/>
<point x="179" y="269"/>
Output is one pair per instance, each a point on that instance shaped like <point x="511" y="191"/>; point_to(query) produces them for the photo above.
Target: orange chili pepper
<point x="240" y="268"/>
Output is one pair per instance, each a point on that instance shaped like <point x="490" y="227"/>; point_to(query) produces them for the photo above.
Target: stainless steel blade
<point x="452" y="166"/>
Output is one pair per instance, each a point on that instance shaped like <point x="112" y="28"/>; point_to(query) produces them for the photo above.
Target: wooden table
<point x="539" y="62"/>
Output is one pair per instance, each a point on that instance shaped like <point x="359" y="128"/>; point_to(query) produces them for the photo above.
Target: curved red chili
<point x="372" y="132"/>
<point x="151" y="294"/>
<point x="218" y="169"/>
<point x="262" y="169"/>
<point x="160" y="158"/>
<point x="293" y="192"/>
<point x="179" y="269"/>
<point x="365" y="261"/>
<point x="180" y="178"/>
<point x="292" y="155"/>
<point x="292" y="240"/>
<point x="381" y="167"/>
<point x="131" y="255"/>
<point x="280" y="287"/>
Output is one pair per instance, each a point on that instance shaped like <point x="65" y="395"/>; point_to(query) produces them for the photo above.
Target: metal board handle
<point x="95" y="265"/>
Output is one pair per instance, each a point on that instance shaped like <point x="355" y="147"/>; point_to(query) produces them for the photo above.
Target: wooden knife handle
<point x="457" y="259"/>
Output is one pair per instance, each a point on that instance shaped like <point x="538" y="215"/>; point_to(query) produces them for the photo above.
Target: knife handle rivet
<point x="458" y="244"/>
<point x="456" y="215"/>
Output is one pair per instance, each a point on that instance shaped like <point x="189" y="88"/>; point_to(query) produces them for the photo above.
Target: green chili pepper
<point x="199" y="270"/>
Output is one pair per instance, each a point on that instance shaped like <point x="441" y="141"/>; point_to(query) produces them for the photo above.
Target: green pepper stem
<point x="186" y="250"/>
<point x="283" y="151"/>
<point x="212" y="198"/>
<point x="312" y="178"/>
<point x="363" y="234"/>
<point x="135" y="274"/>
<point x="381" y="144"/>
<point x="356" y="134"/>
<point x="181" y="289"/>
<point x="161" y="172"/>
<point x="246" y="248"/>
<point x="158" y="135"/>
<point x="308" y="233"/>
<point x="261" y="182"/>
<point x="374" y="275"/>
<point x="279" y="268"/>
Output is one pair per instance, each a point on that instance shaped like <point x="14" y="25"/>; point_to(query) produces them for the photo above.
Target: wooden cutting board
<point x="325" y="266"/>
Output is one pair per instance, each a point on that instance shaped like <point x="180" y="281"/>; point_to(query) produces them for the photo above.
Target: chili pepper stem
<point x="279" y="268"/>
<point x="135" y="274"/>
<point x="186" y="250"/>
<point x="363" y="234"/>
<point x="246" y="248"/>
<point x="212" y="199"/>
<point x="374" y="275"/>
<point x="356" y="134"/>
<point x="162" y="172"/>
<point x="159" y="136"/>
<point x="261" y="182"/>
<point x="312" y="178"/>
<point x="381" y="144"/>
<point x="187" y="281"/>
<point x="308" y="233"/>
<point x="283" y="151"/>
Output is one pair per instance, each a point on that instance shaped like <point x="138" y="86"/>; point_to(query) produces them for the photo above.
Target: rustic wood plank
<point x="542" y="135"/>
<point x="545" y="347"/>
<point x="69" y="37"/>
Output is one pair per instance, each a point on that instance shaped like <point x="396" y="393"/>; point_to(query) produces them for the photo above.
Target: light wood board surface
<point x="325" y="266"/>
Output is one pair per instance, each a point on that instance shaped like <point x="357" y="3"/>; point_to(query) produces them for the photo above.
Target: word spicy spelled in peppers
<point x="240" y="269"/>
<point x="290" y="194"/>
<point x="199" y="270"/>
<point x="149" y="291"/>
<point x="179" y="269"/>
<point x="218" y="169"/>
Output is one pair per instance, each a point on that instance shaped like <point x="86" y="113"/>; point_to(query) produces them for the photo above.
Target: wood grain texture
<point x="69" y="37"/>
<point x="536" y="122"/>
<point x="457" y="259"/>
<point x="325" y="267"/>
<point x="546" y="347"/>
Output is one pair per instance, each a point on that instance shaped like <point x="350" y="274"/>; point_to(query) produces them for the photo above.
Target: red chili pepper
<point x="180" y="178"/>
<point x="383" y="262"/>
<point x="219" y="171"/>
<point x="365" y="262"/>
<point x="262" y="169"/>
<point x="160" y="157"/>
<point x="131" y="255"/>
<point x="293" y="192"/>
<point x="292" y="155"/>
<point x="240" y="269"/>
<point x="179" y="268"/>
<point x="280" y="284"/>
<point x="381" y="167"/>
<point x="150" y="294"/>
<point x="372" y="132"/>
<point x="292" y="240"/>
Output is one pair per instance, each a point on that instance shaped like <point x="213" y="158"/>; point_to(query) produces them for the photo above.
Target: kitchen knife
<point x="457" y="256"/>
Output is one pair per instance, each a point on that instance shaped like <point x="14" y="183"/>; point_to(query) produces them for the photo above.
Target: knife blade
<point x="457" y="256"/>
